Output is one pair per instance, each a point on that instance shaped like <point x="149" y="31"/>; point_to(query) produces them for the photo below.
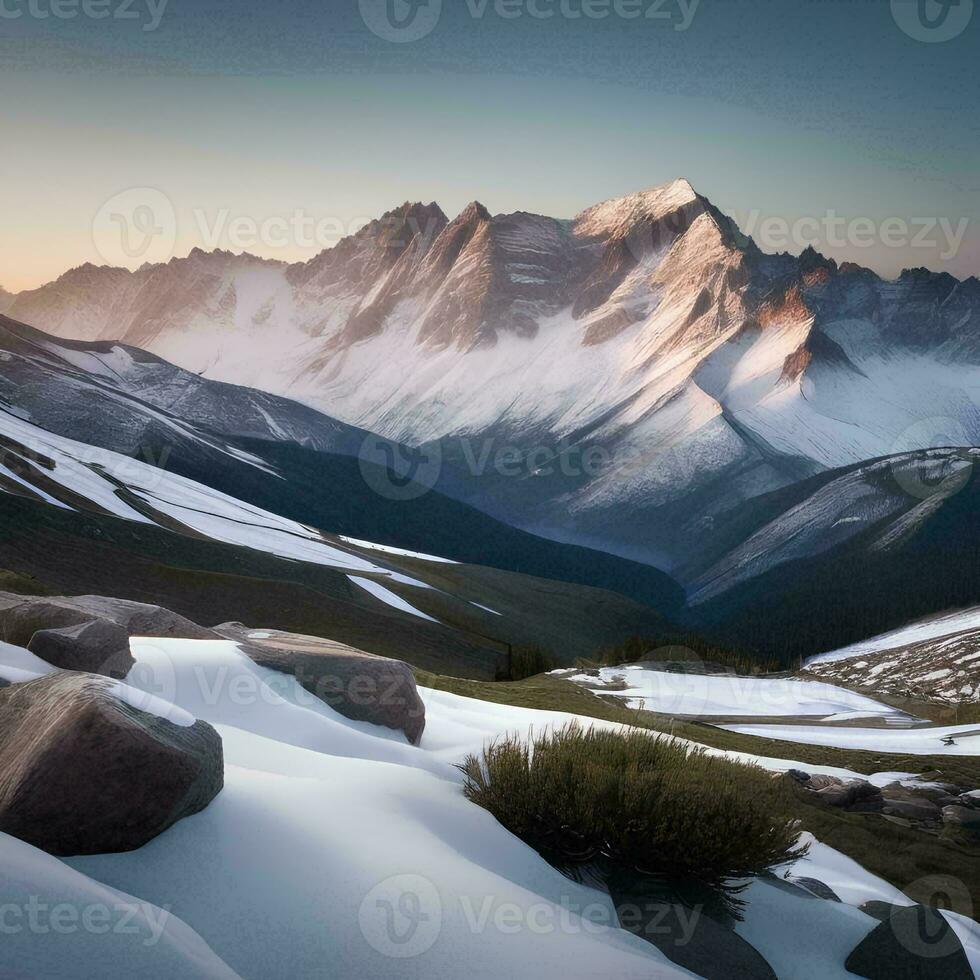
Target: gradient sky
<point x="771" y="108"/>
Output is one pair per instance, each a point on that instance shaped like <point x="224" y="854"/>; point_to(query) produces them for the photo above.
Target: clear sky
<point x="774" y="109"/>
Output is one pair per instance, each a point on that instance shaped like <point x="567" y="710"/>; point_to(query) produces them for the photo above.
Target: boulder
<point x="912" y="808"/>
<point x="137" y="618"/>
<point x="140" y="618"/>
<point x="856" y="794"/>
<point x="358" y="685"/>
<point x="819" y="781"/>
<point x="962" y="816"/>
<point x="67" y="637"/>
<point x="82" y="771"/>
<point x="95" y="647"/>
<point x="912" y="943"/>
<point x="88" y="633"/>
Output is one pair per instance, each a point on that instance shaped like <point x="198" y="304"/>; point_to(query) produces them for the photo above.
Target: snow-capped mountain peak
<point x="648" y="326"/>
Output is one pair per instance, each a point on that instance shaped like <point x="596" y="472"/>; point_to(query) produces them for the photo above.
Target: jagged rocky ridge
<point x="647" y="362"/>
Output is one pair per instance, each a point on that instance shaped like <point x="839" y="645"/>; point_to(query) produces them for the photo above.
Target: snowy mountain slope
<point x="937" y="659"/>
<point x="278" y="455"/>
<point x="666" y="367"/>
<point x="925" y="630"/>
<point x="848" y="554"/>
<point x="124" y="398"/>
<point x="86" y="520"/>
<point x="897" y="495"/>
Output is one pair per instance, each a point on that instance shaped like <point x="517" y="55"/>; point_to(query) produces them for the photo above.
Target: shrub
<point x="603" y="803"/>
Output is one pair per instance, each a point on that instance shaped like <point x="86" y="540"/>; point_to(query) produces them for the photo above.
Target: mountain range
<point x="620" y="380"/>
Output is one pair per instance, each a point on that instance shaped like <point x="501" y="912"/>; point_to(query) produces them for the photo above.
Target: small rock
<point x="962" y="816"/>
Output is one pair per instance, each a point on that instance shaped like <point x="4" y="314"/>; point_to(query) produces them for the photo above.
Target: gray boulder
<point x="66" y="637"/>
<point x="84" y="772"/>
<point x="855" y="794"/>
<point x="88" y="633"/>
<point x="358" y="685"/>
<point x="912" y="943"/>
<point x="912" y="808"/>
<point x="137" y="618"/>
<point x="95" y="647"/>
<point x="140" y="618"/>
<point x="962" y="816"/>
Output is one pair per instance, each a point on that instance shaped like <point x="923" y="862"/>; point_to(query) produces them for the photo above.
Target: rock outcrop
<point x="83" y="771"/>
<point x="66" y="636"/>
<point x="358" y="685"/>
<point x="88" y="633"/>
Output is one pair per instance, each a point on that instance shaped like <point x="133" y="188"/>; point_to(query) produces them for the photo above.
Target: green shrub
<point x="605" y="803"/>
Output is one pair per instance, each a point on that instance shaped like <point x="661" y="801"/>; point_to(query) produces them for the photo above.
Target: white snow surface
<point x="388" y="597"/>
<point x="643" y="686"/>
<point x="331" y="837"/>
<point x="323" y="821"/>
<point x="94" y="474"/>
<point x="18" y="665"/>
<point x="391" y="550"/>
<point x="59" y="924"/>
<point x="915" y="741"/>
